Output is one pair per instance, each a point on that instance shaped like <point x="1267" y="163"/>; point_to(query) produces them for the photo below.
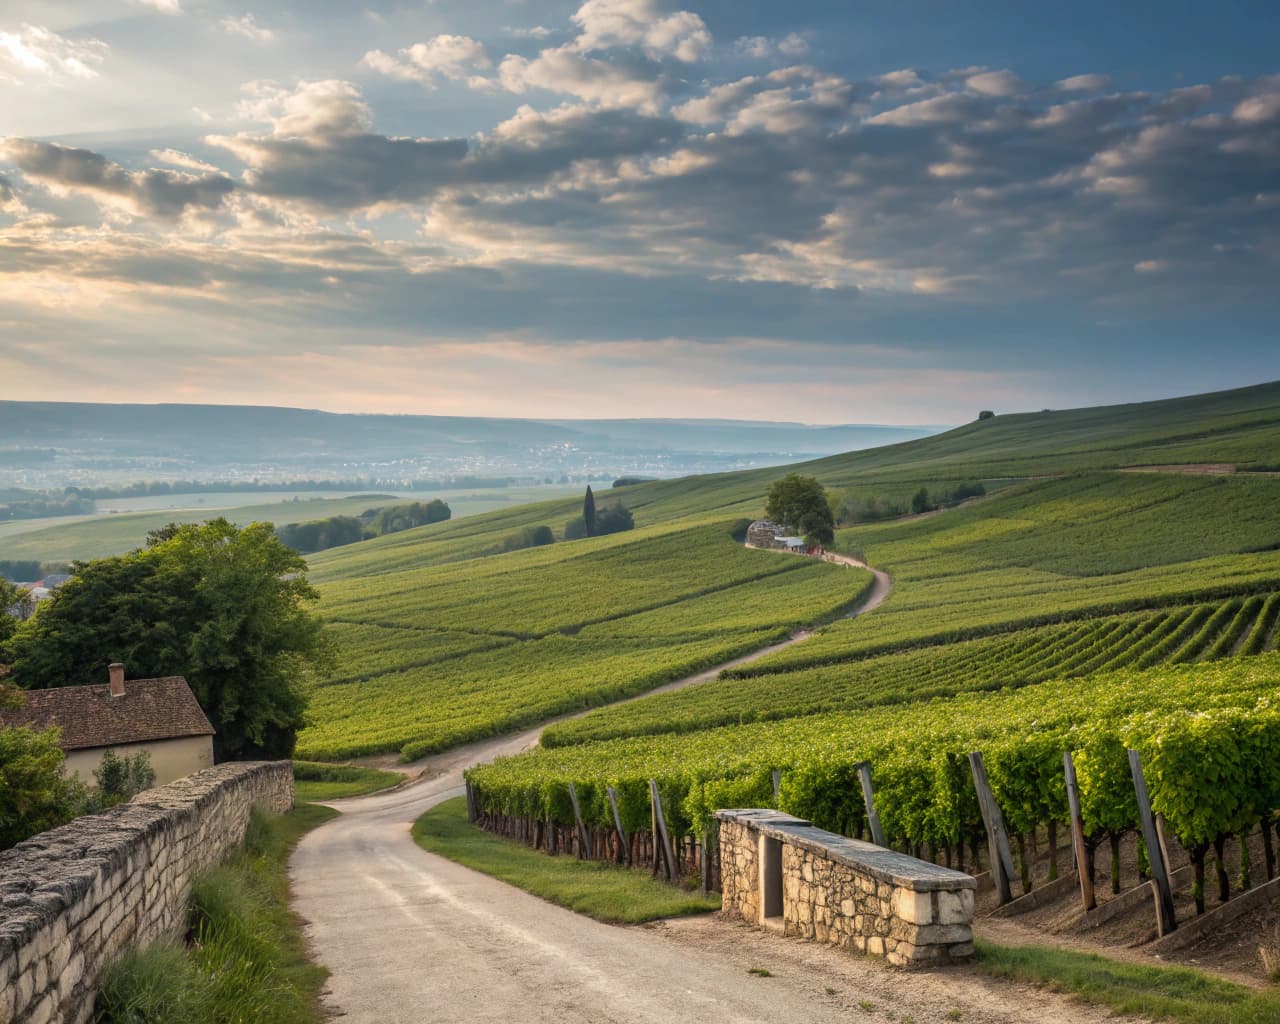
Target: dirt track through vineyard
<point x="409" y="936"/>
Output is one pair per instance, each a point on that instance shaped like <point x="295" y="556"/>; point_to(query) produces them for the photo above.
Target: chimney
<point x="117" y="679"/>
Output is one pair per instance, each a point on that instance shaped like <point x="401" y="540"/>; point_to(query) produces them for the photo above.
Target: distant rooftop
<point x="149" y="710"/>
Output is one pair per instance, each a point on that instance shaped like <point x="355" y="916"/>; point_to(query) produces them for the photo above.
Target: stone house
<point x="159" y="716"/>
<point x="764" y="534"/>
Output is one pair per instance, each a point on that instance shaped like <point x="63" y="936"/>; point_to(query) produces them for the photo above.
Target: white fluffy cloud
<point x="563" y="69"/>
<point x="1085" y="83"/>
<point x="33" y="51"/>
<point x="994" y="83"/>
<point x="444" y="56"/>
<point x="608" y="23"/>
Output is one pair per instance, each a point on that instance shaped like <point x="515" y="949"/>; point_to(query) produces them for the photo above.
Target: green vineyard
<point x="434" y="657"/>
<point x="1221" y="715"/>
<point x="1140" y="640"/>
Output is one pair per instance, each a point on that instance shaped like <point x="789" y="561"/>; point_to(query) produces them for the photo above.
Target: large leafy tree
<point x="800" y="503"/>
<point x="35" y="794"/>
<point x="223" y="606"/>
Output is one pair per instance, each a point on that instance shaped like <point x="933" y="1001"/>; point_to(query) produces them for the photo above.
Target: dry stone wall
<point x="844" y="892"/>
<point x="73" y="898"/>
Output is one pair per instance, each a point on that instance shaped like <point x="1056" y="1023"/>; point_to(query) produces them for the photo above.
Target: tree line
<point x="593" y="522"/>
<point x="320" y="534"/>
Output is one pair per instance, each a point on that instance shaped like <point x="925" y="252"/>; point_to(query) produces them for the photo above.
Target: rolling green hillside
<point x="1237" y="427"/>
<point x="1081" y="606"/>
<point x="442" y="643"/>
<point x="100" y="536"/>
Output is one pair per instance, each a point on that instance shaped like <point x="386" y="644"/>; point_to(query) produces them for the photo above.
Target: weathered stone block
<point x="955" y="907"/>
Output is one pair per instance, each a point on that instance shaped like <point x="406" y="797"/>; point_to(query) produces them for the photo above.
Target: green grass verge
<point x="611" y="894"/>
<point x="246" y="960"/>
<point x="314" y="780"/>
<point x="1162" y="993"/>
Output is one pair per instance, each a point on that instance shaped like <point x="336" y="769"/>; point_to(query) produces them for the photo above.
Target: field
<point x="441" y="655"/>
<point x="1180" y="635"/>
<point x="1060" y="570"/>
<point x="114" y="532"/>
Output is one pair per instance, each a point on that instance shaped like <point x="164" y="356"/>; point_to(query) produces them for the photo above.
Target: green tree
<point x="800" y="503"/>
<point x="920" y="501"/>
<point x="589" y="512"/>
<point x="986" y="414"/>
<point x="529" y="537"/>
<point x="122" y="778"/>
<point x="614" y="519"/>
<point x="10" y="597"/>
<point x="35" y="795"/>
<point x="223" y="606"/>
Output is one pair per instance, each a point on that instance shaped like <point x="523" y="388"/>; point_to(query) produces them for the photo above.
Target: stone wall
<point x="73" y="898"/>
<point x="739" y="870"/>
<point x="845" y="892"/>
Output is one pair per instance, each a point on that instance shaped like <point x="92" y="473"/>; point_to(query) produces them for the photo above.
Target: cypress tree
<point x="589" y="512"/>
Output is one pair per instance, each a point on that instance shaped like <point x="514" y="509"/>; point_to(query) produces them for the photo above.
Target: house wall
<point x="171" y="759"/>
<point x="73" y="898"/>
<point x="845" y="892"/>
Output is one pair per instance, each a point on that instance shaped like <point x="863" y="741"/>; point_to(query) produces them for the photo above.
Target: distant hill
<point x="52" y="442"/>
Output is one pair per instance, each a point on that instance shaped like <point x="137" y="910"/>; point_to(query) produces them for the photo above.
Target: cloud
<point x="949" y="108"/>
<point x="994" y="83"/>
<point x="310" y="110"/>
<point x="177" y="158"/>
<point x="163" y="6"/>
<point x="33" y="51"/>
<point x="1085" y="83"/>
<point x="565" y="70"/>
<point x="155" y="193"/>
<point x="444" y="56"/>
<point x="604" y="24"/>
<point x="763" y="47"/>
<point x="247" y="25"/>
<point x="793" y="201"/>
<point x="786" y="101"/>
<point x="529" y="32"/>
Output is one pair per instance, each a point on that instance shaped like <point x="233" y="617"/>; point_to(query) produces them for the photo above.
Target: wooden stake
<point x="869" y="798"/>
<point x="584" y="840"/>
<point x="617" y="823"/>
<point x="997" y="837"/>
<point x="668" y="852"/>
<point x="1165" y="922"/>
<point x="471" y="803"/>
<point x="1077" y="834"/>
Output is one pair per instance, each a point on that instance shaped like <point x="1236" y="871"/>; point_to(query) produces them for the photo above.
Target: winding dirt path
<point x="409" y="936"/>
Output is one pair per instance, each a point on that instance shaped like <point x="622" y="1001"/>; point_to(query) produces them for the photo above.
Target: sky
<point x="892" y="211"/>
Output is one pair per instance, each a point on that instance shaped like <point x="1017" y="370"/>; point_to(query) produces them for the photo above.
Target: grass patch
<point x="314" y="780"/>
<point x="611" y="894"/>
<point x="244" y="959"/>
<point x="1162" y="993"/>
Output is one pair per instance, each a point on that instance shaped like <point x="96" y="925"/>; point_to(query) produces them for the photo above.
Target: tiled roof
<point x="151" y="709"/>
